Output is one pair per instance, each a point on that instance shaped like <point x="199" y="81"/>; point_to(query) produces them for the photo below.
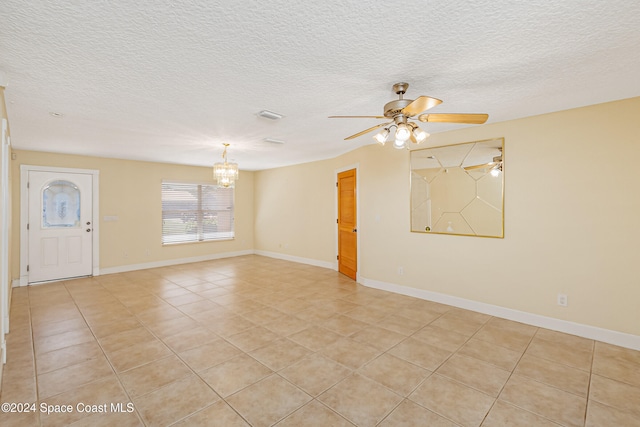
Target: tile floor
<point x="254" y="341"/>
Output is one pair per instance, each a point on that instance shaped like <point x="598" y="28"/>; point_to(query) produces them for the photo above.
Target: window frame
<point x="201" y="235"/>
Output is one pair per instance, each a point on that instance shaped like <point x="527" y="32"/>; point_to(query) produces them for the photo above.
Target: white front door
<point x="60" y="225"/>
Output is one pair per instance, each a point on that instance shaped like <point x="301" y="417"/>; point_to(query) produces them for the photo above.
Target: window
<point x="196" y="213"/>
<point x="61" y="205"/>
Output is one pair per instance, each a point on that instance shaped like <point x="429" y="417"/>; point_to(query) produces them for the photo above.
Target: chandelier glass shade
<point x="225" y="173"/>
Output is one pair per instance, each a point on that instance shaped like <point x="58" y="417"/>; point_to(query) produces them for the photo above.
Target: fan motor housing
<point x="393" y="108"/>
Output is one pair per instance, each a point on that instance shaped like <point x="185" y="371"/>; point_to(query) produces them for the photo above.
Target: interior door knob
<point x="355" y="230"/>
<point x="88" y="230"/>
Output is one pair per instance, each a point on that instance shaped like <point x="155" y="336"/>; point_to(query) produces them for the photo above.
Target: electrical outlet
<point x="563" y="300"/>
<point x="400" y="271"/>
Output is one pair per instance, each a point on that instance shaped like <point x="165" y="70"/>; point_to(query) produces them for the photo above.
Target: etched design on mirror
<point x="458" y="189"/>
<point x="60" y="205"/>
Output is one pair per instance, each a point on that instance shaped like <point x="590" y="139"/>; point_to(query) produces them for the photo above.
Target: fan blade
<point x="358" y="117"/>
<point x="367" y="130"/>
<point x="476" y="119"/>
<point x="419" y="105"/>
<point x="484" y="166"/>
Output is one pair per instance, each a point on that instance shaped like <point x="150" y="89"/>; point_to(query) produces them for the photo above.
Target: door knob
<point x="88" y="230"/>
<point x="355" y="230"/>
<point x="88" y="222"/>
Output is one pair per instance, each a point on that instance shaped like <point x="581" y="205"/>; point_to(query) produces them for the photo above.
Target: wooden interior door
<point x="347" y="226"/>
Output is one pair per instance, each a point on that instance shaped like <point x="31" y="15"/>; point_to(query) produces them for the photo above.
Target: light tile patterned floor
<point x="261" y="342"/>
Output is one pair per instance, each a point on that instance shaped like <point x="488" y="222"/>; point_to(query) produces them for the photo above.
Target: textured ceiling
<point x="170" y="81"/>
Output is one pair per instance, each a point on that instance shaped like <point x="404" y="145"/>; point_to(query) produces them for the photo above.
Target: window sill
<point x="225" y="239"/>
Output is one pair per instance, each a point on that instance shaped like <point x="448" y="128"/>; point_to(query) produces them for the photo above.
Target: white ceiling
<point x="170" y="81"/>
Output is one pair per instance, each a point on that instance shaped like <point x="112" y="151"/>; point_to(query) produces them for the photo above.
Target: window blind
<point x="194" y="212"/>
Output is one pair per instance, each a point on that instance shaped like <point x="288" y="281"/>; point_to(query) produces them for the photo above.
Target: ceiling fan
<point x="494" y="167"/>
<point x="401" y="110"/>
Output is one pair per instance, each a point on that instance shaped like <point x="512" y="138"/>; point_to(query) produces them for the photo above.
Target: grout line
<point x="508" y="379"/>
<point x="113" y="370"/>
<point x="274" y="287"/>
<point x="193" y="371"/>
<point x="593" y="359"/>
<point x="33" y="353"/>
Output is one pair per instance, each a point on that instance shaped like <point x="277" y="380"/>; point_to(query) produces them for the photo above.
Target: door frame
<point x="354" y="166"/>
<point x="24" y="216"/>
<point x="5" y="228"/>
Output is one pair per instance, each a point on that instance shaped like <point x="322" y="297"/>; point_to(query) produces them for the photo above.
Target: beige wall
<point x="294" y="211"/>
<point x="571" y="218"/>
<point x="131" y="191"/>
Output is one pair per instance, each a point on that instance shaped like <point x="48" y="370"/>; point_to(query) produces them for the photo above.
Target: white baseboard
<point x="309" y="261"/>
<point x="170" y="262"/>
<point x="592" y="332"/>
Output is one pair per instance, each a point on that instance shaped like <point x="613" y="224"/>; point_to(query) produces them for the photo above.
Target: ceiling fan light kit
<point x="419" y="134"/>
<point x="403" y="132"/>
<point x="382" y="136"/>
<point x="401" y="110"/>
<point x="399" y="144"/>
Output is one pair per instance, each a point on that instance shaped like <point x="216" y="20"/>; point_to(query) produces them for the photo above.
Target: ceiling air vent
<point x="270" y="115"/>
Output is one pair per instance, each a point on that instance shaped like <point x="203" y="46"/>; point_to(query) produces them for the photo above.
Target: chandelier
<point x="225" y="173"/>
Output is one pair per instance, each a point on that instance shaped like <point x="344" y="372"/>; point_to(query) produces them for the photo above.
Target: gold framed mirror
<point x="459" y="189"/>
